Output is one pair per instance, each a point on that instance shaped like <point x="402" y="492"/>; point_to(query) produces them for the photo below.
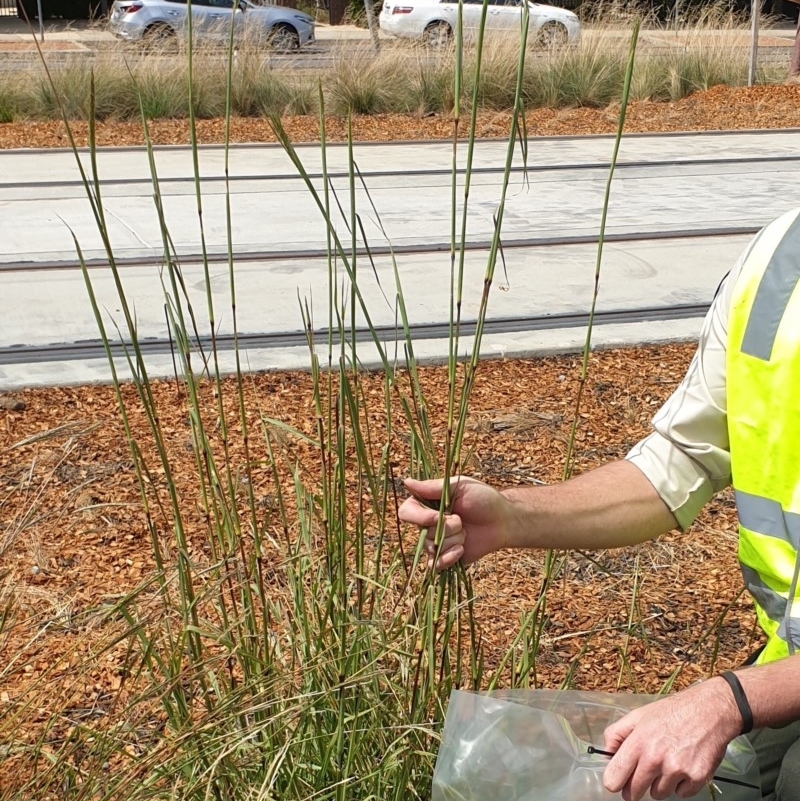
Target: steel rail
<point x="94" y="349"/>
<point x="433" y="172"/>
<point x="384" y="250"/>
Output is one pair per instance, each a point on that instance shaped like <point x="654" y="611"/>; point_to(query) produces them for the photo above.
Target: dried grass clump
<point x="705" y="46"/>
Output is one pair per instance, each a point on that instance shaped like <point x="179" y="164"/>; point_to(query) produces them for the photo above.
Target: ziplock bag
<point x="534" y="745"/>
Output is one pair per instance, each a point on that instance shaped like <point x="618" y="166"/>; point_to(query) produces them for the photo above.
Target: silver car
<point x="154" y="20"/>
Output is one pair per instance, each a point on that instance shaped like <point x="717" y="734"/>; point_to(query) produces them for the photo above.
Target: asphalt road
<point x="70" y="41"/>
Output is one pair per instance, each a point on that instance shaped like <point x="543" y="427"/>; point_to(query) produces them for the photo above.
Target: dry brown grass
<point x="706" y="50"/>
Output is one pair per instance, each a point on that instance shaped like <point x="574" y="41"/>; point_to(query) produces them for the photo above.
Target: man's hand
<point x="608" y="507"/>
<point x="476" y="525"/>
<point x="672" y="746"/>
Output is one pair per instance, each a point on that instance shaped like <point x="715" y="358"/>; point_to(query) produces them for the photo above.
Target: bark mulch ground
<point x="72" y="539"/>
<point x="720" y="108"/>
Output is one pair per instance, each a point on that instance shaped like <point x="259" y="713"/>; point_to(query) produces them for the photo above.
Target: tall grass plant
<point x="334" y="686"/>
<point x="294" y="649"/>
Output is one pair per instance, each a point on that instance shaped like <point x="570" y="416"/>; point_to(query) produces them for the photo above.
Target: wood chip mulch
<point x="720" y="108"/>
<point x="73" y="540"/>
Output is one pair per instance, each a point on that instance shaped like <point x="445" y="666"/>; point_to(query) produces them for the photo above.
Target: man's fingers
<point x="452" y="534"/>
<point x="688" y="788"/>
<point x="447" y="544"/>
<point x="448" y="559"/>
<point x="642" y="779"/>
<point x="617" y="774"/>
<point x="634" y="774"/>
<point x="658" y="748"/>
<point x="664" y="786"/>
<point x="619" y="770"/>
<point x="678" y="785"/>
<point x="616" y="734"/>
<point x="451" y="547"/>
<point x="412" y="511"/>
<point x="431" y="489"/>
<point x="421" y="509"/>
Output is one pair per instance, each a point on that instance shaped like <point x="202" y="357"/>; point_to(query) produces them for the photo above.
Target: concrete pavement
<point x="664" y="184"/>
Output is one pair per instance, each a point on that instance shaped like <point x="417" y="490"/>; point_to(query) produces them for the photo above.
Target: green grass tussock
<point x="255" y="96"/>
<point x="8" y="105"/>
<point x="587" y="77"/>
<point x="295" y="649"/>
<point x="429" y="86"/>
<point x="359" y="84"/>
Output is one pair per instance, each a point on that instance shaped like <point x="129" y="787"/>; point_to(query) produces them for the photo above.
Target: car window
<point x="220" y="3"/>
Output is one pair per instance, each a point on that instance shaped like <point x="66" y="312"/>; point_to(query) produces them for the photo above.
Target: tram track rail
<point x="267" y="256"/>
<point x="95" y="349"/>
<point x="622" y="166"/>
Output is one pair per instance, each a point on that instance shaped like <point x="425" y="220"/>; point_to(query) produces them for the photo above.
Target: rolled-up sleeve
<point x="687" y="457"/>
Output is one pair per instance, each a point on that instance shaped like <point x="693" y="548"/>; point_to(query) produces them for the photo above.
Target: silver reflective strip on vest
<point x="773" y="295"/>
<point x="789" y="632"/>
<point x="765" y="516"/>
<point x="776" y="607"/>
<point x="773" y="603"/>
<point x="790" y="625"/>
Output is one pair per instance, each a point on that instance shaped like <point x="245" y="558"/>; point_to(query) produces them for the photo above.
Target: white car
<point x="434" y="22"/>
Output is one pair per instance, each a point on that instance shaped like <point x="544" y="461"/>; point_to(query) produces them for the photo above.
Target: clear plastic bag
<point x="534" y="745"/>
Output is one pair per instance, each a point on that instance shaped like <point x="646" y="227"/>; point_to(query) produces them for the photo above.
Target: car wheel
<point x="159" y="37"/>
<point x="437" y="35"/>
<point x="284" y="39"/>
<point x="551" y="35"/>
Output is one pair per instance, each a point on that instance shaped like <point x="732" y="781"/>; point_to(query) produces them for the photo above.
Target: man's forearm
<point x="609" y="507"/>
<point x="771" y="693"/>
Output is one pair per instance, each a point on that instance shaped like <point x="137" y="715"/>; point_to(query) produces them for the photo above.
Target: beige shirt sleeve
<point x="687" y="458"/>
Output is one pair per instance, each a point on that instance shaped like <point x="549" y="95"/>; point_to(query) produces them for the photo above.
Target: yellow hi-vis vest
<point x="763" y="399"/>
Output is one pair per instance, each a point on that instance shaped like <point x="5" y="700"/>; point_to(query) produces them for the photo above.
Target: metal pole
<point x="755" y="14"/>
<point x="369" y="8"/>
<point x="41" y="20"/>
